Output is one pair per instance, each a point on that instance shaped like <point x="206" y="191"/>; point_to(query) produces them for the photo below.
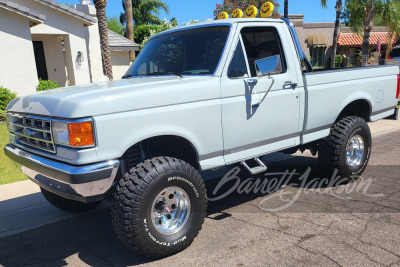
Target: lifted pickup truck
<point x="197" y="98"/>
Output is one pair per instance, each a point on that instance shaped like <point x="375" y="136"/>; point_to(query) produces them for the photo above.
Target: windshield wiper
<point x="163" y="73"/>
<point x="127" y="76"/>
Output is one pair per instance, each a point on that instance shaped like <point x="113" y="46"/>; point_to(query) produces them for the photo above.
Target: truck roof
<point x="221" y="22"/>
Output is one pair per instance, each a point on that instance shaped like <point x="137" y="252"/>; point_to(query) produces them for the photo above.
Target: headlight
<point x="75" y="134"/>
<point x="9" y="121"/>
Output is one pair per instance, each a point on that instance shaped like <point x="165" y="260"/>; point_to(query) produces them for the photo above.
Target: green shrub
<point x="143" y="31"/>
<point x="113" y="24"/>
<point x="338" y="61"/>
<point x="5" y="97"/>
<point x="47" y="85"/>
<point x="2" y="115"/>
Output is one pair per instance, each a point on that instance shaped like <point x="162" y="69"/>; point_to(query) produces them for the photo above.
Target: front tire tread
<point x="136" y="181"/>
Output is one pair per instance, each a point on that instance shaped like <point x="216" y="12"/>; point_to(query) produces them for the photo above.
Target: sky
<point x="185" y="10"/>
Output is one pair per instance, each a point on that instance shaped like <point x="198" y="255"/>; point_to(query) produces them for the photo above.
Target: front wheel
<point x="347" y="148"/>
<point x="159" y="207"/>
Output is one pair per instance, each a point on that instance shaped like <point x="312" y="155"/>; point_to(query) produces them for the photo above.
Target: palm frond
<point x="146" y="11"/>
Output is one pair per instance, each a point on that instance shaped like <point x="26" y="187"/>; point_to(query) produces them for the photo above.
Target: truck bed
<point x="328" y="92"/>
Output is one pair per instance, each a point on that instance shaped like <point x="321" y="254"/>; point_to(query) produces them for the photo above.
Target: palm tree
<point x="338" y="7"/>
<point x="392" y="23"/>
<point x="145" y="11"/>
<point x="103" y="31"/>
<point x="129" y="23"/>
<point x="363" y="14"/>
<point x="286" y="9"/>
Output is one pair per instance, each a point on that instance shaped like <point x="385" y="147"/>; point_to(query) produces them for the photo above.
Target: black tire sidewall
<point x="361" y="129"/>
<point x="188" y="184"/>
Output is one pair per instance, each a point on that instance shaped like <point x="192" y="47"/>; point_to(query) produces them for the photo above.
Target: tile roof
<point x="119" y="43"/>
<point x="35" y="17"/>
<point x="355" y="39"/>
<point x="69" y="10"/>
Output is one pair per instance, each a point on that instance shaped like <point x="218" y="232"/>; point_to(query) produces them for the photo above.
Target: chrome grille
<point x="32" y="131"/>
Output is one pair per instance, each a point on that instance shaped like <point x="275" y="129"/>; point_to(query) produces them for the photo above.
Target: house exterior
<point x="316" y="40"/>
<point x="45" y="39"/>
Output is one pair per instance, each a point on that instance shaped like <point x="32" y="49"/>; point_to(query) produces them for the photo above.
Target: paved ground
<point x="303" y="220"/>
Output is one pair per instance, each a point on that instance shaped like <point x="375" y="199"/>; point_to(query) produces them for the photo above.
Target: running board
<point x="255" y="170"/>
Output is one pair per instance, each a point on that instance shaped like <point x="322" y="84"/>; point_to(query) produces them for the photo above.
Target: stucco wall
<point x="120" y="63"/>
<point x="93" y="44"/>
<point x="303" y="30"/>
<point x="59" y="23"/>
<point x="326" y="29"/>
<point x="53" y="53"/>
<point x="18" y="68"/>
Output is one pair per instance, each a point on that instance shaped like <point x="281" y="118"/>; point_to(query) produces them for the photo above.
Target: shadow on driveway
<point x="89" y="237"/>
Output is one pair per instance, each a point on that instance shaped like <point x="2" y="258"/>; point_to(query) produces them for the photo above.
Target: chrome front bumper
<point x="86" y="183"/>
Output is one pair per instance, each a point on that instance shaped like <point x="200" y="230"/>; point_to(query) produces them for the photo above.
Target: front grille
<point x="32" y="131"/>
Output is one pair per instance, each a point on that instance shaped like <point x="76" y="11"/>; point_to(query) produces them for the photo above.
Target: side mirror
<point x="268" y="66"/>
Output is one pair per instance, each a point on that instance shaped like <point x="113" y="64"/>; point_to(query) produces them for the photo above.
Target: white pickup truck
<point x="197" y="98"/>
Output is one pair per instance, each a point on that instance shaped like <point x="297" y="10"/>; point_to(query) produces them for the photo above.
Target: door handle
<point x="289" y="85"/>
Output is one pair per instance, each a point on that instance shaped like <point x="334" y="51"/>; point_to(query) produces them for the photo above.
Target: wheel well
<point x="360" y="108"/>
<point x="166" y="145"/>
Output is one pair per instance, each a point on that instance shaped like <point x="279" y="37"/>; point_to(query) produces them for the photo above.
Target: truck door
<point x="251" y="128"/>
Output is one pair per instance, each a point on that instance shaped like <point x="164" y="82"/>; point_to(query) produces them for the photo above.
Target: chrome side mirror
<point x="268" y="66"/>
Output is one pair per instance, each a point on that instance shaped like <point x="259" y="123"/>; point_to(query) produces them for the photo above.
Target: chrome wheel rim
<point x="355" y="151"/>
<point x="170" y="210"/>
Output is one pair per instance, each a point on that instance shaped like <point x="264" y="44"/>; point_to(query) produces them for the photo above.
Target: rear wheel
<point x="67" y="204"/>
<point x="347" y="148"/>
<point x="159" y="207"/>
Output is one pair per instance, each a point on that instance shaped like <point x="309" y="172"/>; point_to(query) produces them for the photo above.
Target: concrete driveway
<point x="303" y="221"/>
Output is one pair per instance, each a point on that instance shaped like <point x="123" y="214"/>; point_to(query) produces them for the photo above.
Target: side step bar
<point x="255" y="170"/>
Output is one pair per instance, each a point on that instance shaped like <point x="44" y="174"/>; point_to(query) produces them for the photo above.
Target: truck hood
<point x="113" y="97"/>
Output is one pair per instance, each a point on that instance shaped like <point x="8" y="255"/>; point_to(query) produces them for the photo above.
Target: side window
<point x="237" y="68"/>
<point x="262" y="42"/>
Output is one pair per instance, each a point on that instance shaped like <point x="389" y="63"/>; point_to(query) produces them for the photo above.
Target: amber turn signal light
<point x="80" y="134"/>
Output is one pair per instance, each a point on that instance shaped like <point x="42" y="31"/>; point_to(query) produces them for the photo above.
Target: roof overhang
<point x="124" y="48"/>
<point x="34" y="17"/>
<point x="119" y="43"/>
<point x="86" y="19"/>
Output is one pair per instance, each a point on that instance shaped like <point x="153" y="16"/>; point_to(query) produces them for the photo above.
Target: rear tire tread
<point x="331" y="148"/>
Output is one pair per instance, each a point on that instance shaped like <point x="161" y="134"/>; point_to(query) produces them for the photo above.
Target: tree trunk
<point x="365" y="47"/>
<point x="103" y="31"/>
<point x="129" y="24"/>
<point x="338" y="7"/>
<point x="286" y="9"/>
<point x="390" y="44"/>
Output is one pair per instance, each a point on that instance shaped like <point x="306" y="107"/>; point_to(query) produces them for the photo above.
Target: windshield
<point x="187" y="52"/>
